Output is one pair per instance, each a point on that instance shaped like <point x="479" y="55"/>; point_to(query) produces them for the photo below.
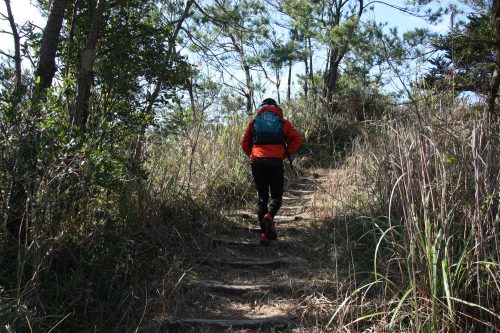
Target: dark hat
<point x="268" y="101"/>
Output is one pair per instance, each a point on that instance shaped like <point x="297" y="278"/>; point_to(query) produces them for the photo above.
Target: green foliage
<point x="467" y="60"/>
<point x="85" y="195"/>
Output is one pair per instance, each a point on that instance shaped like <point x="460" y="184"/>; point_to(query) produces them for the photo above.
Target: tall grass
<point x="203" y="162"/>
<point x="434" y="177"/>
<point x="327" y="135"/>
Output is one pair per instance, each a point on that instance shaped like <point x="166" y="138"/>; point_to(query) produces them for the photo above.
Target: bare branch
<point x="401" y="9"/>
<point x="7" y="55"/>
<point x="17" y="45"/>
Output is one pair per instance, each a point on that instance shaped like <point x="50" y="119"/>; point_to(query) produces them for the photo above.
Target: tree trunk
<point x="190" y="88"/>
<point x="139" y="142"/>
<point x="24" y="171"/>
<point x="17" y="49"/>
<point x="248" y="76"/>
<point x="289" y="89"/>
<point x="46" y="68"/>
<point x="278" y="84"/>
<point x="80" y="111"/>
<point x="337" y="53"/>
<point x="70" y="39"/>
<point x="495" y="80"/>
<point x="311" y="70"/>
<point x="249" y="92"/>
<point x="306" y="77"/>
<point x="332" y="77"/>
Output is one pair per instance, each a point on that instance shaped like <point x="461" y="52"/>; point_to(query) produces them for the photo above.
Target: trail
<point x="241" y="286"/>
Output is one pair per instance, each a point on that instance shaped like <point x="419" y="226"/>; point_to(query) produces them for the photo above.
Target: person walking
<point x="269" y="139"/>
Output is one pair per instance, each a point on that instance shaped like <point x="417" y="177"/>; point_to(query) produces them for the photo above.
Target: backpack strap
<point x="285" y="144"/>
<point x="251" y="138"/>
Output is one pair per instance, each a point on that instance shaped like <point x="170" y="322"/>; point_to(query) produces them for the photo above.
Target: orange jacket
<point x="271" y="150"/>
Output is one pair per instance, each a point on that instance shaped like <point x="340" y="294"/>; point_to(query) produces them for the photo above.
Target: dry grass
<point x="424" y="197"/>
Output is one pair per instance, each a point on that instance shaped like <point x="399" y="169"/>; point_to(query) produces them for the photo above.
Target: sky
<point x="23" y="11"/>
<point x="405" y="22"/>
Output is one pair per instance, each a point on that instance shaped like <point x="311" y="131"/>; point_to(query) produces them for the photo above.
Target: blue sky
<point x="403" y="21"/>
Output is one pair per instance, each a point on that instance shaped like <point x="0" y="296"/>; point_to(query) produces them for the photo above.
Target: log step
<point x="297" y="198"/>
<point x="235" y="242"/>
<point x="274" y="263"/>
<point x="249" y="243"/>
<point x="293" y="207"/>
<point x="251" y="324"/>
<point x="301" y="191"/>
<point x="250" y="229"/>
<point x="234" y="289"/>
<point x="308" y="185"/>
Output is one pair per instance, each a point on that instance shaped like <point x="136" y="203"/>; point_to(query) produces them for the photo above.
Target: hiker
<point x="268" y="139"/>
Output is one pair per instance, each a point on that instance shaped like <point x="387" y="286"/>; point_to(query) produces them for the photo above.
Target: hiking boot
<point x="263" y="240"/>
<point x="270" y="227"/>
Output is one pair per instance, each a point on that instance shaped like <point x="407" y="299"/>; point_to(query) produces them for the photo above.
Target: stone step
<point x="238" y="289"/>
<point x="217" y="325"/>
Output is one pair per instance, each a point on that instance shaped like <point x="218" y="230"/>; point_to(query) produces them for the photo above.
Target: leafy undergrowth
<point x="105" y="280"/>
<point x="115" y="254"/>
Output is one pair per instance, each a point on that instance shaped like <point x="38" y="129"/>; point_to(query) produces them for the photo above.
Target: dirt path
<point x="242" y="286"/>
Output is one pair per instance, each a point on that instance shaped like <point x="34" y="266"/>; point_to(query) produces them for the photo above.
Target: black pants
<point x="268" y="177"/>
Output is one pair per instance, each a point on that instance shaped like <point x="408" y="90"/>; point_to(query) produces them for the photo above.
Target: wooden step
<point x="285" y="224"/>
<point x="293" y="207"/>
<point x="255" y="229"/>
<point x="306" y="179"/>
<point x="238" y="289"/>
<point x="242" y="263"/>
<point x="235" y="242"/>
<point x="297" y="197"/>
<point x="287" y="219"/>
<point x="218" y="324"/>
<point x="307" y="185"/>
<point x="301" y="191"/>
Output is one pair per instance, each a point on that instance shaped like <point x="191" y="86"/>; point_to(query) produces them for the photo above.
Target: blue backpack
<point x="268" y="129"/>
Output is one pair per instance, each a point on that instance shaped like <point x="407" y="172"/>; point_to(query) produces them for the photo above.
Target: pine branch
<point x="7" y="55"/>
